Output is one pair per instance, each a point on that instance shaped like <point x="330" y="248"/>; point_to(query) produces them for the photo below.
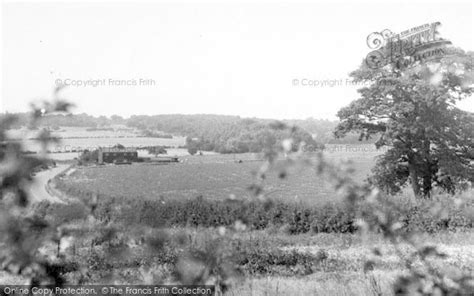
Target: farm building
<point x="159" y="160"/>
<point x="165" y="159"/>
<point x="117" y="155"/>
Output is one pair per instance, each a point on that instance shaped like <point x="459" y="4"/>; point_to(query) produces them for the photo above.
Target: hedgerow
<point x="294" y="218"/>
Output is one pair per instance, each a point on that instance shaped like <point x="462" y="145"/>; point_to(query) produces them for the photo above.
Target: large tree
<point x="412" y="110"/>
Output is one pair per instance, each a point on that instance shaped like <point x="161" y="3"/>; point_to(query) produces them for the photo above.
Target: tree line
<point x="207" y="127"/>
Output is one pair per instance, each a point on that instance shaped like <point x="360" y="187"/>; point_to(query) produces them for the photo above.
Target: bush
<point x="257" y="257"/>
<point x="295" y="218"/>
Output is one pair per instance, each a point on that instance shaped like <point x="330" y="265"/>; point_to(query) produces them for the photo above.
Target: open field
<point x="78" y="132"/>
<point x="76" y="138"/>
<point x="296" y="255"/>
<point x="214" y="177"/>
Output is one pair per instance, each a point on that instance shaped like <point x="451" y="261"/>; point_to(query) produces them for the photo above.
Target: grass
<point x="270" y="261"/>
<point x="348" y="277"/>
<point x="212" y="176"/>
<point x="322" y="283"/>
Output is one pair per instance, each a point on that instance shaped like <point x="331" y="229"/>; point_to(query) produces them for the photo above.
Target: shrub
<point x="295" y="218"/>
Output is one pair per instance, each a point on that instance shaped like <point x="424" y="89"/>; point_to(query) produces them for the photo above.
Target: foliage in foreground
<point x="22" y="232"/>
<point x="293" y="218"/>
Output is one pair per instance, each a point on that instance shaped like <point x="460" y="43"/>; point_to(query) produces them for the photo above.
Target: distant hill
<point x="222" y="133"/>
<point x="72" y="120"/>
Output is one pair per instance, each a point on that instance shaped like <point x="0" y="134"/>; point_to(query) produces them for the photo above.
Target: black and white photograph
<point x="236" y="147"/>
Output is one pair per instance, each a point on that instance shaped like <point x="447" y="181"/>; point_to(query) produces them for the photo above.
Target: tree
<point x="192" y="145"/>
<point x="89" y="156"/>
<point x="192" y="150"/>
<point x="116" y="119"/>
<point x="413" y="112"/>
<point x="155" y="150"/>
<point x="118" y="146"/>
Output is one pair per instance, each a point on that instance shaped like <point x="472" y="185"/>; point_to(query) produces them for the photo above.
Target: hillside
<point x="221" y="133"/>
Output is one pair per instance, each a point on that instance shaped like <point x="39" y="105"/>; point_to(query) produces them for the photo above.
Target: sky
<point x="249" y="58"/>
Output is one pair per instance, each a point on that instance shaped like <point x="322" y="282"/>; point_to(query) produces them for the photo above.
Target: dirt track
<point x="37" y="189"/>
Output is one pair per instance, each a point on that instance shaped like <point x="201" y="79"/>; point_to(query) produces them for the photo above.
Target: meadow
<point x="79" y="138"/>
<point x="216" y="177"/>
<point x="147" y="218"/>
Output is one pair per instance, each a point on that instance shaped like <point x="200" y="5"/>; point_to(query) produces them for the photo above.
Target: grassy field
<point x="77" y="138"/>
<point x="215" y="177"/>
<point x="342" y="272"/>
<point x="321" y="264"/>
<point x="272" y="260"/>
